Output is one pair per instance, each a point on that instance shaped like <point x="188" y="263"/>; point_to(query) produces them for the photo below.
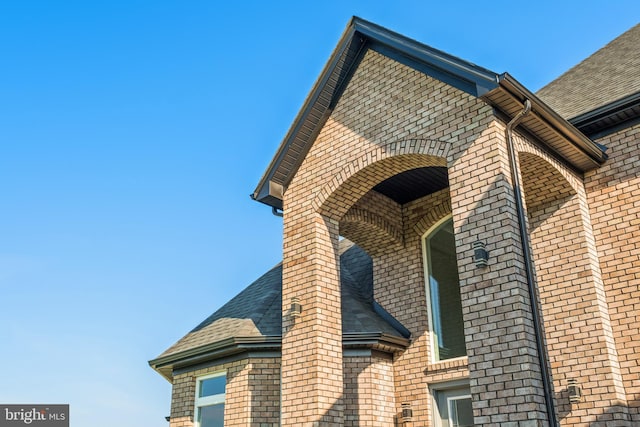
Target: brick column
<point x="369" y="390"/>
<point x="576" y="314"/>
<point x="504" y="370"/>
<point x="312" y="377"/>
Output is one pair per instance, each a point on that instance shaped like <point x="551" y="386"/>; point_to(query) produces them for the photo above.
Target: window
<point x="210" y="394"/>
<point x="443" y="292"/>
<point x="453" y="407"/>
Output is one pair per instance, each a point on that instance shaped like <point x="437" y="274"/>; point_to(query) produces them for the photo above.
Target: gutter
<point x="592" y="150"/>
<point x="524" y="239"/>
<point x="165" y="365"/>
<point x="375" y="339"/>
<point x="609" y="118"/>
<point x="227" y="347"/>
<point x="603" y="111"/>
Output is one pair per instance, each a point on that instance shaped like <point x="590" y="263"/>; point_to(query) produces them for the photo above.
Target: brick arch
<point x="435" y="214"/>
<point x="369" y="230"/>
<point x="360" y="175"/>
<point x="525" y="149"/>
<point x="544" y="185"/>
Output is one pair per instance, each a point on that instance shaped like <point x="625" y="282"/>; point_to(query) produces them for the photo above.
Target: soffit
<point x="413" y="184"/>
<point x="558" y="135"/>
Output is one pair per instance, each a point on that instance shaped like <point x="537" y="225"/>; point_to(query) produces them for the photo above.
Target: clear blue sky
<point x="131" y="134"/>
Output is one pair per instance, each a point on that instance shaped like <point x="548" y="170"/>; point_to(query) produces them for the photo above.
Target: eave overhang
<point x="375" y="340"/>
<point x="499" y="90"/>
<point x="609" y="118"/>
<point x="558" y="135"/>
<point x="166" y="365"/>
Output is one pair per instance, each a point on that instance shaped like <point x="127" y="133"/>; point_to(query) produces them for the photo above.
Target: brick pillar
<point x="504" y="371"/>
<point x="576" y="313"/>
<point x="312" y="377"/>
<point x="369" y="390"/>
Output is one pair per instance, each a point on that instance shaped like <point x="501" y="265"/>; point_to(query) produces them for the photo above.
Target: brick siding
<point x="613" y="194"/>
<point x="252" y="393"/>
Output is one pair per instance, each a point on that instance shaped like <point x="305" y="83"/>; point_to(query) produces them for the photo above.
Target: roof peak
<point x="360" y="36"/>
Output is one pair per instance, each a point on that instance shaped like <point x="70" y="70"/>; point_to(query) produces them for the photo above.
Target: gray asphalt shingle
<point x="257" y="310"/>
<point x="608" y="75"/>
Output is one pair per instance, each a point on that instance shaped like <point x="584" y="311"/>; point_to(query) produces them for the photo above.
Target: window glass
<point x="211" y="416"/>
<point x="209" y="400"/>
<point x="211" y="386"/>
<point x="444" y="293"/>
<point x="460" y="412"/>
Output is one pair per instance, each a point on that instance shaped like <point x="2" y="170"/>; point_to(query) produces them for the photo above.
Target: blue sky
<point x="131" y="135"/>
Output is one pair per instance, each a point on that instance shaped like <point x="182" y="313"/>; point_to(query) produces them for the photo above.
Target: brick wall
<point x="575" y="311"/>
<point x="503" y="362"/>
<point x="368" y="390"/>
<point x="252" y="393"/>
<point x="613" y="193"/>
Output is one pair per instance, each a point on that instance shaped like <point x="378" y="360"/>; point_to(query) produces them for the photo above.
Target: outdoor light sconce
<point x="575" y="391"/>
<point x="480" y="254"/>
<point x="407" y="412"/>
<point x="296" y="308"/>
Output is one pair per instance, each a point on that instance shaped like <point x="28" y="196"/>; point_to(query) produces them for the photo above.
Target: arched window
<point x="443" y="291"/>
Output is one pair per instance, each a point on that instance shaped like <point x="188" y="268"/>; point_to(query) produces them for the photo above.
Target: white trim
<point x="449" y="407"/>
<point x="453" y="359"/>
<point x="215" y="399"/>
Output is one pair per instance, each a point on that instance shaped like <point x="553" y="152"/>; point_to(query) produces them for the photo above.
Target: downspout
<point x="276" y="212"/>
<point x="524" y="239"/>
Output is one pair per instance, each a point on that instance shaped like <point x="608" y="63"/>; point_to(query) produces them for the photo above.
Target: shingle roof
<point x="251" y="313"/>
<point x="257" y="310"/>
<point x="610" y="74"/>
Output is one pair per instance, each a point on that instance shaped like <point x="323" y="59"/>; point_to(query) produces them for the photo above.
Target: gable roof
<point x="610" y="74"/>
<point x="252" y="320"/>
<point x="499" y="90"/>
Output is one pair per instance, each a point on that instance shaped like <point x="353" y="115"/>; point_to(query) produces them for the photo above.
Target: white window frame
<point x="215" y="399"/>
<point x="459" y="389"/>
<point x="434" y="330"/>
<point x="450" y="401"/>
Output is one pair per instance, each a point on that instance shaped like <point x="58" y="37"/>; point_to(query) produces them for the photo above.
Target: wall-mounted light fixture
<point x="296" y="308"/>
<point x="575" y="391"/>
<point x="480" y="254"/>
<point x="407" y="412"/>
